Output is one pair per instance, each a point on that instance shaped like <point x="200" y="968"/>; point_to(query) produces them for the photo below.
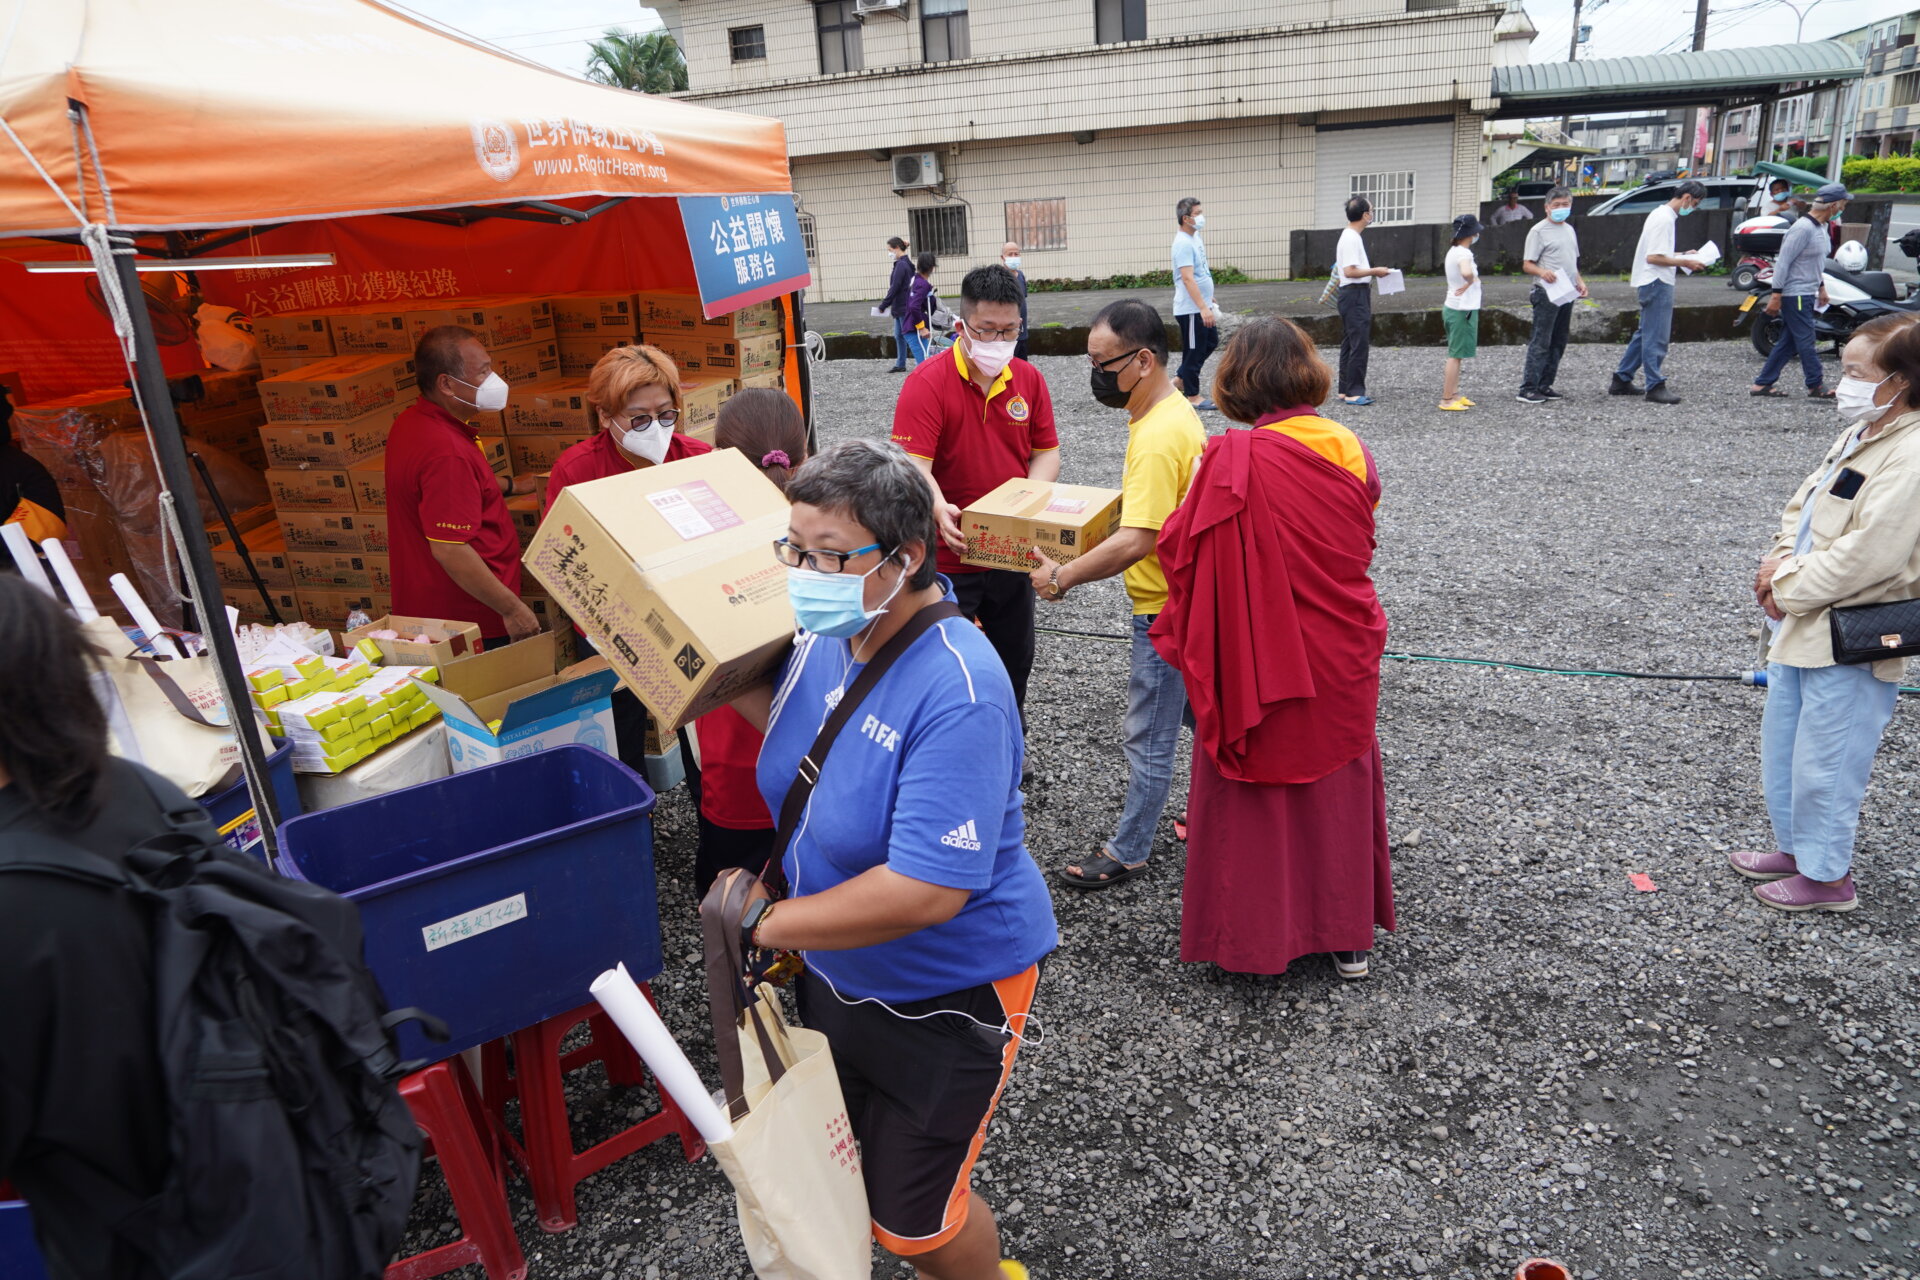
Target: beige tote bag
<point x="166" y="715"/>
<point x="793" y="1162"/>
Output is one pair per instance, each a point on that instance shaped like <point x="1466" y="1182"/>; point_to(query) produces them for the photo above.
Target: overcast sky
<point x="556" y="31"/>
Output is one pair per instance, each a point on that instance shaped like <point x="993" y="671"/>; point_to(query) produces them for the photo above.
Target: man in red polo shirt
<point x="454" y="551"/>
<point x="973" y="419"/>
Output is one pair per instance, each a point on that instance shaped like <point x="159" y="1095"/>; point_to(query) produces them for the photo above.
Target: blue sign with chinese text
<point x="745" y="249"/>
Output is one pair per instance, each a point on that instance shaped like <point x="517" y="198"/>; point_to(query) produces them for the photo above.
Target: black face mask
<point x="1106" y="388"/>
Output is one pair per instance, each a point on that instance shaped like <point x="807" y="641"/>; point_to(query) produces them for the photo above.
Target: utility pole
<point x="1699" y="113"/>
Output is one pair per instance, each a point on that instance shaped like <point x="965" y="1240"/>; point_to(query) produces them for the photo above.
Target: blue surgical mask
<point x="1686" y="209"/>
<point x="834" y="604"/>
<point x="1560" y="215"/>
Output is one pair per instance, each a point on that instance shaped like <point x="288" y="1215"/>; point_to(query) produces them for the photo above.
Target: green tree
<point x="648" y="63"/>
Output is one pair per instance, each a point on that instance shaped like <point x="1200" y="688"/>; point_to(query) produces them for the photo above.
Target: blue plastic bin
<point x="493" y="898"/>
<point x="19" y="1255"/>
<point x="228" y="807"/>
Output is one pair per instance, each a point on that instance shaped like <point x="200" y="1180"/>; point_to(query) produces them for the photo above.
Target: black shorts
<point x="919" y="1095"/>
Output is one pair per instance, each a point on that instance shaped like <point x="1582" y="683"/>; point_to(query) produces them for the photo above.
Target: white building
<point x="1073" y="126"/>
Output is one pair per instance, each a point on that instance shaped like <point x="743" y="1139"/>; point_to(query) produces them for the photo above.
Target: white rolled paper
<point x="70" y="580"/>
<point x="23" y="558"/>
<point x="634" y="1014"/>
<point x="143" y="616"/>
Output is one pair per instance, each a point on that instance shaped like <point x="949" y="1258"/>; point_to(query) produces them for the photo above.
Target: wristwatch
<point x="1053" y="584"/>
<point x="750" y="921"/>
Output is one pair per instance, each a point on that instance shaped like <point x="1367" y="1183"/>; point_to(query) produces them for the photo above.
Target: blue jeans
<point x="913" y="343"/>
<point x="1817" y="740"/>
<point x="1648" y="347"/>
<point x="903" y="342"/>
<point x="1797" y="312"/>
<point x="1156" y="705"/>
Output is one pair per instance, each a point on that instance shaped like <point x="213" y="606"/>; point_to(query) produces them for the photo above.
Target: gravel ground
<point x="1673" y="1084"/>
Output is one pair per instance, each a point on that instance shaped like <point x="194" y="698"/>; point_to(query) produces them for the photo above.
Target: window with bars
<point x="839" y="32"/>
<point x="747" y="43"/>
<point x="1391" y="194"/>
<point x="1115" y="21"/>
<point x="939" y="229"/>
<point x="1038" y="225"/>
<point x="943" y="30"/>
<point x="808" y="237"/>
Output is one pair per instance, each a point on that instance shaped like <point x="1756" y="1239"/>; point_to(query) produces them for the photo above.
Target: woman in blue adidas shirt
<point x="923" y="917"/>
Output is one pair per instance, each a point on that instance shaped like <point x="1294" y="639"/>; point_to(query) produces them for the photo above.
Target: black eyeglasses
<point x="819" y="561"/>
<point x="642" y="421"/>
<point x="992" y="335"/>
<point x="1102" y="364"/>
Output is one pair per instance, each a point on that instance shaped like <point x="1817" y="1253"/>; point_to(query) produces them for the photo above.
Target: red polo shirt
<point x="440" y="489"/>
<point x="600" y="457"/>
<point x="977" y="442"/>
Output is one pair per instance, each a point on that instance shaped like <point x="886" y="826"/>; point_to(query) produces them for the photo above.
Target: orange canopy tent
<point x="424" y="164"/>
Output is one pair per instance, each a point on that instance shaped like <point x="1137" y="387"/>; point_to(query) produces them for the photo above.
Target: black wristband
<point x="751" y="920"/>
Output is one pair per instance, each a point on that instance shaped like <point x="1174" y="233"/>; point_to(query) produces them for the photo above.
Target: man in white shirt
<point x="1655" y="268"/>
<point x="1511" y="211"/>
<point x="1355" y="274"/>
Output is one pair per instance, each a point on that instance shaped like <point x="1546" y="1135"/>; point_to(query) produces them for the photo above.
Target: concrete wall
<point x="1606" y="245"/>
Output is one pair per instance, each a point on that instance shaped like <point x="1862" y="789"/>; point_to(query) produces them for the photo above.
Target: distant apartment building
<point x="1885" y="104"/>
<point x="1629" y="146"/>
<point x="1073" y="126"/>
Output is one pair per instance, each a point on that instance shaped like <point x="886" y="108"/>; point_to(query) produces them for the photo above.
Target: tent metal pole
<point x="170" y="450"/>
<point x="804" y="364"/>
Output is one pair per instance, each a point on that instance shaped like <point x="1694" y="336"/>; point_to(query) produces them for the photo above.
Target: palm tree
<point x="648" y="63"/>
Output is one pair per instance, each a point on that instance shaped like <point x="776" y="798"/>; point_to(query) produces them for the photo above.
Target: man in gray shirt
<point x="1798" y="287"/>
<point x="1552" y="257"/>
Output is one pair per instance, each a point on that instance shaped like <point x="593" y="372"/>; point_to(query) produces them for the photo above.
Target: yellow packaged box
<point x="369" y="329"/>
<point x="310" y="489"/>
<point x="1063" y="520"/>
<point x="500" y="321"/>
<point x="268" y="548"/>
<point x="556" y="407"/>
<point x="333" y="445"/>
<point x="363" y="531"/>
<point x="368" y="481"/>
<point x="340" y="390"/>
<point x="539" y="453"/>
<point x="670" y="572"/>
<point x="594" y="314"/>
<point x="293" y="333"/>
<point x="341" y="571"/>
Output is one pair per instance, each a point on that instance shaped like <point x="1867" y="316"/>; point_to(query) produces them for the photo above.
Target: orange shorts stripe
<point x="1016" y="1000"/>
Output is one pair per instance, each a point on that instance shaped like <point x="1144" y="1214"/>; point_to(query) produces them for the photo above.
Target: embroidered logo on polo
<point x="1017" y="408"/>
<point x="965" y="836"/>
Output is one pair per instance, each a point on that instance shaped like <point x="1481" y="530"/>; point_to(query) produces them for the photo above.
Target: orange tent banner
<point x="233" y="113"/>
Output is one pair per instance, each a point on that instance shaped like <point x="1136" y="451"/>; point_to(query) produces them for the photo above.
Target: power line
<point x="558" y="31"/>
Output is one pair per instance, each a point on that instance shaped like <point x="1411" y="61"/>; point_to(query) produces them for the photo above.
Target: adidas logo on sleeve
<point x="965" y="836"/>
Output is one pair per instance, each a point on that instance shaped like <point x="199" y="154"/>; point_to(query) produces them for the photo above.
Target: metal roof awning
<point x="1729" y="76"/>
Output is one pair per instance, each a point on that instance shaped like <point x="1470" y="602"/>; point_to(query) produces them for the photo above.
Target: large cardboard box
<point x="775" y="380"/>
<point x="576" y="314"/>
<point x="214" y="393"/>
<point x="341" y="571"/>
<point x="527" y="362"/>
<point x="330" y="609"/>
<point x="292" y="333"/>
<point x="498" y="453"/>
<point x="337" y="531"/>
<point x="253" y="609"/>
<point x="669" y="570"/>
<point x="274" y="366"/>
<point x="310" y="489"/>
<point x="538" y="453"/>
<point x="268" y="548"/>
<point x="245" y="521"/>
<point x="333" y="445"/>
<point x="511" y="702"/>
<point x="579" y="353"/>
<point x="339" y="390"/>
<point x="701" y="399"/>
<point x="557" y="407"/>
<point x="723" y="356"/>
<point x="664" y="313"/>
<point x="525" y="510"/>
<point x="499" y="322"/>
<point x="1065" y="521"/>
<point x="368" y="482"/>
<point x="446" y="640"/>
<point x="372" y="328"/>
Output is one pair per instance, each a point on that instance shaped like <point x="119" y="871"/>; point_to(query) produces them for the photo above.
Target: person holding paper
<point x="1127" y="348"/>
<point x="1193" y="309"/>
<point x="922" y="915"/>
<point x="1655" y="268"/>
<point x="1355" y="273"/>
<point x="1461" y="311"/>
<point x="1552" y="258"/>
<point x="1800" y="288"/>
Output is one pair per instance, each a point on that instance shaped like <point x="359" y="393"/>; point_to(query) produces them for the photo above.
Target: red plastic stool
<point x="448" y="1110"/>
<point x="539" y="1071"/>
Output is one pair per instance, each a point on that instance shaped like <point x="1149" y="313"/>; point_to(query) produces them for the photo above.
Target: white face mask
<point x="1199" y="222"/>
<point x="650" y="443"/>
<point x="1013" y="263"/>
<point x="1854" y="399"/>
<point x="989" y="357"/>
<point x="490" y="396"/>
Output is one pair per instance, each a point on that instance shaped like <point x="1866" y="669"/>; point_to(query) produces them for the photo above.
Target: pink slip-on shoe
<point x="1797" y="893"/>
<point x="1755" y="865"/>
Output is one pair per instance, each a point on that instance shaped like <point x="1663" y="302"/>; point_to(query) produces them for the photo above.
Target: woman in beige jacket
<point x="1851" y="535"/>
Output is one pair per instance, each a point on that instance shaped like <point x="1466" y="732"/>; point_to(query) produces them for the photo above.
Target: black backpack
<point x="292" y="1154"/>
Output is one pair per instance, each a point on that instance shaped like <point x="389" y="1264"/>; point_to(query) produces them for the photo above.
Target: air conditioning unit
<point x="913" y="170"/>
<point x="867" y="8"/>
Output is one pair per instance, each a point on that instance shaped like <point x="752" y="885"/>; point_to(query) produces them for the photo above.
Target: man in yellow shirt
<point x="1127" y="348"/>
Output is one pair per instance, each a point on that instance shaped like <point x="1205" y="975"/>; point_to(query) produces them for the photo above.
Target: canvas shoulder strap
<point x="808" y="772"/>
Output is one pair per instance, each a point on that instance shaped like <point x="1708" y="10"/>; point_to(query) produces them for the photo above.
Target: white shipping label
<point x="694" y="510"/>
<point x="1069" y="506"/>
<point x="472" y="923"/>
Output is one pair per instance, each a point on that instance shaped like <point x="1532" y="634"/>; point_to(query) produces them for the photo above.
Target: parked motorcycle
<point x="1854" y="295"/>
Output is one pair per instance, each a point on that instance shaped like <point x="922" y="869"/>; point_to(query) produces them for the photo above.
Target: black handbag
<point x="1875" y="632"/>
